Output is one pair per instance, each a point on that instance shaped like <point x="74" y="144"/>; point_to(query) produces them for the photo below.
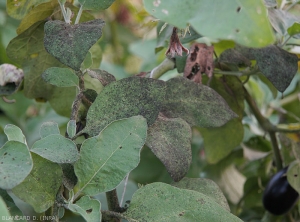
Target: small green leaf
<point x="61" y="77"/>
<point x="106" y="159"/>
<point x="87" y="62"/>
<point x="14" y="133"/>
<point x="205" y="186"/>
<point x="95" y="4"/>
<point x="4" y="211"/>
<point x="49" y="128"/>
<point x="71" y="128"/>
<point x="18" y="9"/>
<point x="15" y="164"/>
<point x="293" y="175"/>
<point x="88" y="208"/>
<point x="70" y="43"/>
<point x="125" y="98"/>
<point x="294" y="29"/>
<point x="259" y="143"/>
<point x="170" y="141"/>
<point x="277" y="65"/>
<point x="41" y="185"/>
<point x="257" y="33"/>
<point x="168" y="203"/>
<point x="197" y="104"/>
<point x="56" y="148"/>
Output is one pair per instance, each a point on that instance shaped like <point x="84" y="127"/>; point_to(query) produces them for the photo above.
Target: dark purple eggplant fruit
<point x="279" y="197"/>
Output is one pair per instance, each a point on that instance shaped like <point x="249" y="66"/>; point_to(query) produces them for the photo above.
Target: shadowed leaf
<point x="96" y="4"/>
<point x="61" y="77"/>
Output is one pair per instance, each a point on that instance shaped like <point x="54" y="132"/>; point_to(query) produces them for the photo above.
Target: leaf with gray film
<point x="170" y="141"/>
<point x="40" y="187"/>
<point x="206" y="187"/>
<point x="95" y="4"/>
<point x="61" y="77"/>
<point x="125" y="98"/>
<point x="278" y="65"/>
<point x="70" y="43"/>
<point x="197" y="104"/>
<point x="88" y="208"/>
<point x="103" y="76"/>
<point x="15" y="164"/>
<point x="163" y="202"/>
<point x="49" y="128"/>
<point x="14" y="133"/>
<point x="107" y="158"/>
<point x="56" y="148"/>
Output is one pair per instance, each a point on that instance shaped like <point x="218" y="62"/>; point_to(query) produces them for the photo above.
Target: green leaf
<point x="170" y="141"/>
<point x="95" y="4"/>
<point x="219" y="142"/>
<point x="107" y="158"/>
<point x="198" y="13"/>
<point x="56" y="148"/>
<point x="41" y="185"/>
<point x="197" y="104"/>
<point x="259" y="143"/>
<point x="61" y="77"/>
<point x="87" y="62"/>
<point x="49" y="128"/>
<point x="168" y="203"/>
<point x="38" y="13"/>
<point x="18" y="9"/>
<point x="205" y="186"/>
<point x="70" y="43"/>
<point x="14" y="133"/>
<point x="71" y="128"/>
<point x="5" y="215"/>
<point x="15" y="162"/>
<point x="294" y="29"/>
<point x="293" y="174"/>
<point x="125" y="98"/>
<point x="88" y="208"/>
<point x="277" y="65"/>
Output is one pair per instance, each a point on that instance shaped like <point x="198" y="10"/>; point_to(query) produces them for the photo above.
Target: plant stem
<point x="162" y="68"/>
<point x="78" y="99"/>
<point x="113" y="203"/>
<point x="63" y="10"/>
<point x="266" y="126"/>
<point x="107" y="215"/>
<point x="79" y="14"/>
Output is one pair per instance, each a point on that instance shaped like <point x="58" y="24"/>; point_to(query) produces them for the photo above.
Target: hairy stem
<point x="79" y="14"/>
<point x="162" y="68"/>
<point x="78" y="99"/>
<point x="113" y="203"/>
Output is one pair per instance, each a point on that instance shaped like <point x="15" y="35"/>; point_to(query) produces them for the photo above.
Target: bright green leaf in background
<point x="14" y="133"/>
<point x="15" y="164"/>
<point x="125" y="98"/>
<point x="49" y="128"/>
<point x="170" y="141"/>
<point x="120" y="142"/>
<point x="293" y="174"/>
<point x="61" y="77"/>
<point x="294" y="29"/>
<point x="56" y="148"/>
<point x="218" y="19"/>
<point x="197" y="104"/>
<point x="70" y="43"/>
<point x="19" y="8"/>
<point x="41" y="185"/>
<point x="96" y="4"/>
<point x="205" y="186"/>
<point x="163" y="202"/>
<point x="88" y="208"/>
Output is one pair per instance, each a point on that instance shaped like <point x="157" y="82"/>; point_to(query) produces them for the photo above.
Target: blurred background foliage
<point x="128" y="48"/>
